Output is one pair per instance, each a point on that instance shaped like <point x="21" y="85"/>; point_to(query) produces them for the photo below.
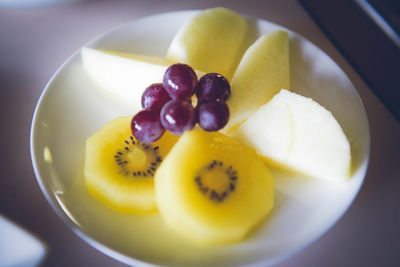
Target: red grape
<point x="146" y="126"/>
<point x="180" y="81"/>
<point x="212" y="114"/>
<point x="213" y="86"/>
<point x="178" y="116"/>
<point x="154" y="97"/>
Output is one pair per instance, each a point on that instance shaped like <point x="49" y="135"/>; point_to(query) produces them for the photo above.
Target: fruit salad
<point x="207" y="122"/>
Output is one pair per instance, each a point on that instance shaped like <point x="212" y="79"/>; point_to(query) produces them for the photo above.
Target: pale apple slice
<point x="124" y="75"/>
<point x="211" y="41"/>
<point x="262" y="73"/>
<point x="296" y="132"/>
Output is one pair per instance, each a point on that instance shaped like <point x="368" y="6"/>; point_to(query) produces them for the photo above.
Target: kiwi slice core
<point x="137" y="159"/>
<point x="216" y="181"/>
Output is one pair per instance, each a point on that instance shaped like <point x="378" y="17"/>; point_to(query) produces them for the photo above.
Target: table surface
<point x="35" y="42"/>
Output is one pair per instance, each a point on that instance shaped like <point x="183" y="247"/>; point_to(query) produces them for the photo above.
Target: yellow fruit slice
<point x="295" y="132"/>
<point x="212" y="189"/>
<point x="262" y="73"/>
<point x="125" y="75"/>
<point x="210" y="42"/>
<point x="119" y="170"/>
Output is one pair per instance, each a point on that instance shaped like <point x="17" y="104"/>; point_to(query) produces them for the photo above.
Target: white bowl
<point x="72" y="108"/>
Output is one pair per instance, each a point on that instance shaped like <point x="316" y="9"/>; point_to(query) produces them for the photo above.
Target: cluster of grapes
<point x="168" y="106"/>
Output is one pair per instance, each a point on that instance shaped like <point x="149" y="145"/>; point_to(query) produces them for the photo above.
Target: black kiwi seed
<point x="232" y="187"/>
<point x="122" y="160"/>
<point x="213" y="195"/>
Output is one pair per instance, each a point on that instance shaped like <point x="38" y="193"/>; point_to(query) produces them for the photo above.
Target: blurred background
<point x="37" y="36"/>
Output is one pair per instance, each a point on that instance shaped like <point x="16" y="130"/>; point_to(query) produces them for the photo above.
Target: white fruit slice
<point x="262" y="73"/>
<point x="211" y="41"/>
<point x="124" y="75"/>
<point x="296" y="132"/>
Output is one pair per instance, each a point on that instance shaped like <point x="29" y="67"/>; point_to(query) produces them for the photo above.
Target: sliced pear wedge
<point x="125" y="75"/>
<point x="297" y="133"/>
<point x="262" y="73"/>
<point x="211" y="41"/>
